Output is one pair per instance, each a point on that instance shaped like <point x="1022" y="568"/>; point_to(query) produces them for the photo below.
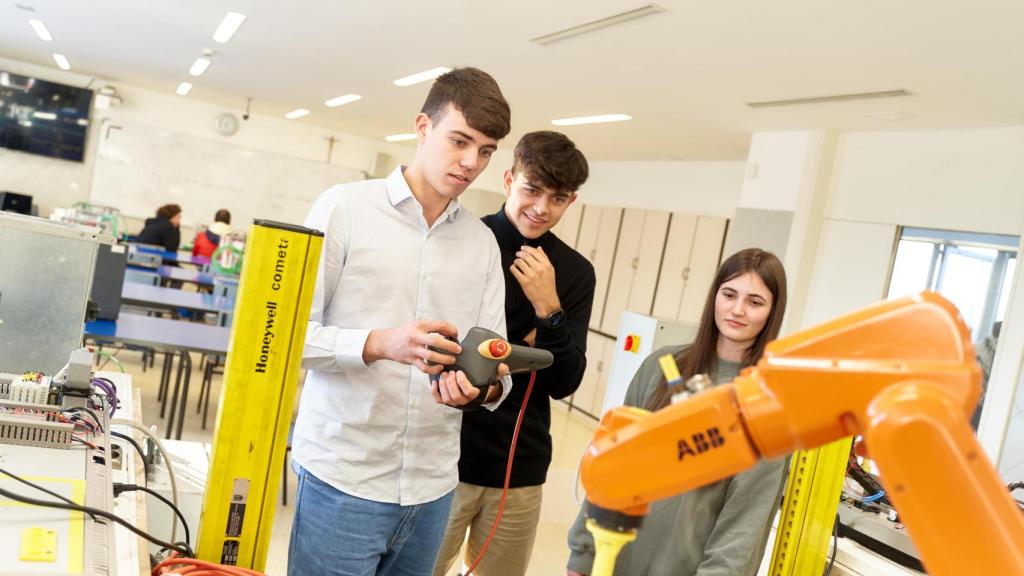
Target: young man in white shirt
<point x="376" y="442"/>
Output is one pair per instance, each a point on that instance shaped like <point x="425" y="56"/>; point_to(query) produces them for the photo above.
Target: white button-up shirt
<point x="375" y="431"/>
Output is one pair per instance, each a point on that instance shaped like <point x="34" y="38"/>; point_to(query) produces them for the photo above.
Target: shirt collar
<point x="399" y="192"/>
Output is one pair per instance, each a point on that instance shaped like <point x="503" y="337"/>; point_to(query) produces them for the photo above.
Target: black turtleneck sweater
<point x="486" y="435"/>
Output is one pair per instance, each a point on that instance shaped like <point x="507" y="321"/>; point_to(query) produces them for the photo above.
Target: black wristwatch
<point x="553" y="320"/>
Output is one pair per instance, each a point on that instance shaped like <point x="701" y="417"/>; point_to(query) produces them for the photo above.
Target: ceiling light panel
<point x="342" y="100"/>
<point x="40" y="30"/>
<point x="199" y="66"/>
<point x="62" y="61"/>
<point x="400" y="137"/>
<point x="421" y="76"/>
<point x="600" y="119"/>
<point x="297" y="113"/>
<point x="184" y="88"/>
<point x="228" y="27"/>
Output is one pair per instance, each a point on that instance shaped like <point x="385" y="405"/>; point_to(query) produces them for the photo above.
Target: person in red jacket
<point x="206" y="242"/>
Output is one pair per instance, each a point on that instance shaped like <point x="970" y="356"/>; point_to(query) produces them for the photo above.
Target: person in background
<point x="163" y="230"/>
<point x="549" y="293"/>
<point x="206" y="242"/>
<point x="720" y="529"/>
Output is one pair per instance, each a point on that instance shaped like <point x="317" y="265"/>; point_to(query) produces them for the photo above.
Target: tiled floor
<point x="571" y="432"/>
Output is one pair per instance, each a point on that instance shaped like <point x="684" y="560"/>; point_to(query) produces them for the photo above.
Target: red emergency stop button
<point x="631" y="343"/>
<point x="498" y="348"/>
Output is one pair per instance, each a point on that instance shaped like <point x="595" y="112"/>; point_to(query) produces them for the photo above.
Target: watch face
<point x="556" y="318"/>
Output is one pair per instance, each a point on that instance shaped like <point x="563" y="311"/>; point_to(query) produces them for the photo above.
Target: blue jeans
<point x="336" y="534"/>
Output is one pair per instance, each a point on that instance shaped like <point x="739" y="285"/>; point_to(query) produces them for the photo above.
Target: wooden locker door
<point x="624" y="268"/>
<point x="707" y="249"/>
<point x="568" y="228"/>
<point x="641" y="295"/>
<point x="583" y="399"/>
<point x="669" y="293"/>
<point x="604" y="372"/>
<point x="586" y="245"/>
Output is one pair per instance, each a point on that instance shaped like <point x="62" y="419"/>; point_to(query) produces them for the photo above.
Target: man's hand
<point x="536" y="275"/>
<point x="454" y="389"/>
<point x="531" y="338"/>
<point x="408" y="344"/>
<point x="573" y="573"/>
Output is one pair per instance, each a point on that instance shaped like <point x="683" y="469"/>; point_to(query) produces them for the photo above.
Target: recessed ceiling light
<point x="228" y="27"/>
<point x="199" y="66"/>
<point x="831" y="98"/>
<point x="297" y="113"/>
<point x="340" y="100"/>
<point x="184" y="88"/>
<point x="44" y="115"/>
<point x="62" y="61"/>
<point x="40" y="30"/>
<point x="591" y="119"/>
<point x="5" y="79"/>
<point x="594" y="25"/>
<point x="400" y="137"/>
<point x="422" y="76"/>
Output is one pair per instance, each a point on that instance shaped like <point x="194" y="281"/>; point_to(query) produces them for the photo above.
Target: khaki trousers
<point x="475" y="507"/>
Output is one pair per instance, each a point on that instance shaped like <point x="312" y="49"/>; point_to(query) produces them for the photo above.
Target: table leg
<point x="184" y="392"/>
<point x="174" y="395"/>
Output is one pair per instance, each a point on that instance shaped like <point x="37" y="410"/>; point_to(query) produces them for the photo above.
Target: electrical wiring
<point x="835" y="546"/>
<point x="194" y="567"/>
<point x="508" y="476"/>
<point x="875" y="497"/>
<point x="110" y="391"/>
<point x="96" y="419"/>
<point x="121" y="488"/>
<point x="110" y="358"/>
<point x="94" y="512"/>
<point x="40" y="488"/>
<point x="167" y="458"/>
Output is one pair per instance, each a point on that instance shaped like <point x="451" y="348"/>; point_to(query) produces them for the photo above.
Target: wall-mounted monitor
<point x="41" y="117"/>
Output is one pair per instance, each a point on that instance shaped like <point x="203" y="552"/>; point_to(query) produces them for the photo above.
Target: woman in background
<point x="720" y="529"/>
<point x="163" y="229"/>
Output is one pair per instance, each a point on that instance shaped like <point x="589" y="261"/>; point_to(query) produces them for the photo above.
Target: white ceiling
<point x="684" y="74"/>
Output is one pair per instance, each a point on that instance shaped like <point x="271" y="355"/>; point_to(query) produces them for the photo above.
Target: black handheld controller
<point x="483" y="350"/>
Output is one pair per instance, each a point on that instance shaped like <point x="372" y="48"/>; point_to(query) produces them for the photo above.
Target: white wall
<point x="967" y="180"/>
<point x="709" y="188"/>
<point x="55" y="183"/>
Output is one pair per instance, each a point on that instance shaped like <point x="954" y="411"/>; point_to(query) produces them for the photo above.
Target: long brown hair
<point x="702" y="356"/>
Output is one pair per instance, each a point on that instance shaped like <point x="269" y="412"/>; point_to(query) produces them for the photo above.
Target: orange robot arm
<point x="900" y="373"/>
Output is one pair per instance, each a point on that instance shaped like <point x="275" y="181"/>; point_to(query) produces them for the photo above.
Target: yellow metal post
<point x="802" y="539"/>
<point x="254" y="413"/>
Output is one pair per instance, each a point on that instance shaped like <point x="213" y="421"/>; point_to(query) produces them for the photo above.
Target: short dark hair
<point x="551" y="160"/>
<point x="222" y="215"/>
<point x="168" y="211"/>
<point x="474" y="93"/>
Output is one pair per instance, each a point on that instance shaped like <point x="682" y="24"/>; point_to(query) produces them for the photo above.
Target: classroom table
<point x="168" y="336"/>
<point x="137" y="294"/>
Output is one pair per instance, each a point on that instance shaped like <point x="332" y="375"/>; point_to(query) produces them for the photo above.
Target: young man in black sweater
<point x="549" y="292"/>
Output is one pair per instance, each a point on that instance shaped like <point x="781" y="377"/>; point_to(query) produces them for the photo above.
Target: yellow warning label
<point x="38" y="545"/>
